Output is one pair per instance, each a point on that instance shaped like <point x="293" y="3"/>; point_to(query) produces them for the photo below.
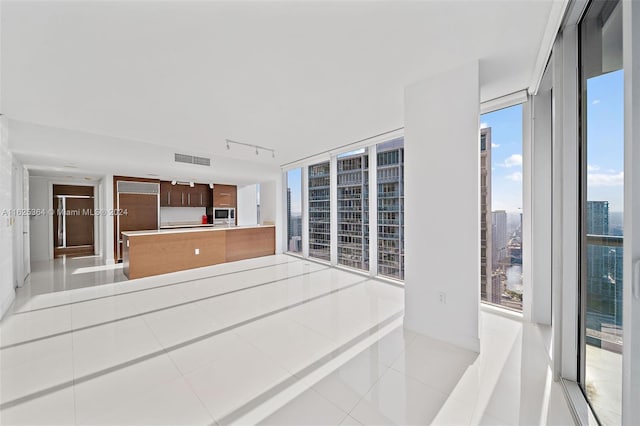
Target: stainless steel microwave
<point x="224" y="216"/>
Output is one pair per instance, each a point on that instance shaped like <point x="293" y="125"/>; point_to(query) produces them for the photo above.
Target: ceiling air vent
<point x="192" y="159"/>
<point x="202" y="161"/>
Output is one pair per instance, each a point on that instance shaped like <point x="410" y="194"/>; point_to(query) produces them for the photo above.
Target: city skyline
<point x="294" y="182"/>
<point x="506" y="157"/>
<point x="605" y="139"/>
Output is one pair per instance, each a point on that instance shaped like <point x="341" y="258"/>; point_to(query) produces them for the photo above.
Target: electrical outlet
<point x="442" y="297"/>
<point x="197" y="252"/>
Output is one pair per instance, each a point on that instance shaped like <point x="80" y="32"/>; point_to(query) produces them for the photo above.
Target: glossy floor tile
<point x="274" y="340"/>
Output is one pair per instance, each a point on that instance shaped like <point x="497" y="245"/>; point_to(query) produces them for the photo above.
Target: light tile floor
<point x="274" y="340"/>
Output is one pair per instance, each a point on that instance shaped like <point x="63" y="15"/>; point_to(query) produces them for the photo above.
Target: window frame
<point x="370" y="144"/>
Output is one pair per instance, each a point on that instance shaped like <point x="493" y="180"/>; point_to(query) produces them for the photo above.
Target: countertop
<point x="187" y="225"/>
<point x="204" y="228"/>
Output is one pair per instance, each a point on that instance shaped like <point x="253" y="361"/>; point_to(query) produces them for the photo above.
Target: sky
<point x="605" y="146"/>
<point x="294" y="180"/>
<point x="605" y="139"/>
<point x="506" y="157"/>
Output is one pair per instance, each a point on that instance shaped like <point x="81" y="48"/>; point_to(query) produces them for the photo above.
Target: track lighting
<point x="191" y="184"/>
<point x="210" y="186"/>
<point x="173" y="182"/>
<point x="256" y="147"/>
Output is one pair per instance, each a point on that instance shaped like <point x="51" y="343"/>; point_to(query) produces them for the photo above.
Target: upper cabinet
<point x="199" y="196"/>
<point x="224" y="195"/>
<point x="185" y="196"/>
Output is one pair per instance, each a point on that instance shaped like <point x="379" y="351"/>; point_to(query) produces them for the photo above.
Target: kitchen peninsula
<point x="147" y="253"/>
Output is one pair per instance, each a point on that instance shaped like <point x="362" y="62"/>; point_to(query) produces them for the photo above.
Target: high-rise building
<point x="604" y="274"/>
<point x="598" y="217"/>
<point x="500" y="238"/>
<point x="320" y="211"/>
<point x="486" y="251"/>
<point x="296" y="225"/>
<point x="390" y="176"/>
<point x="353" y="209"/>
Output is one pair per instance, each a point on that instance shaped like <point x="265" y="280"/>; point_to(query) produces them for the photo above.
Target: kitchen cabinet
<point x="184" y="195"/>
<point x="199" y="196"/>
<point x="224" y="196"/>
<point x="170" y="195"/>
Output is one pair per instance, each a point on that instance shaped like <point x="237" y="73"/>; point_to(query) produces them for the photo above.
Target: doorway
<point x="73" y="220"/>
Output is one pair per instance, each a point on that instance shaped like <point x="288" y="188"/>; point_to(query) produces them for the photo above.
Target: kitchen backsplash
<point x="181" y="215"/>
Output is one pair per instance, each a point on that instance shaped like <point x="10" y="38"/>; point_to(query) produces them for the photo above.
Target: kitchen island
<point x="147" y="253"/>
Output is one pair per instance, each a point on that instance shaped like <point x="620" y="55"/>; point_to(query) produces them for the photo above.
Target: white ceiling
<point x="300" y="77"/>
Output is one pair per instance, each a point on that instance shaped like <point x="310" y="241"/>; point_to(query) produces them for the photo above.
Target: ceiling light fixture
<point x="173" y="182"/>
<point x="258" y="148"/>
<point x="211" y="186"/>
<point x="191" y="184"/>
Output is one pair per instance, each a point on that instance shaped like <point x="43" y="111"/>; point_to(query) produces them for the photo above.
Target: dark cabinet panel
<point x="224" y="196"/>
<point x="79" y="225"/>
<point x="176" y="197"/>
<point x="185" y="196"/>
<point x="165" y="188"/>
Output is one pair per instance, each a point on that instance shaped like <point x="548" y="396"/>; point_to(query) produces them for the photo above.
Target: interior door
<point x="79" y="226"/>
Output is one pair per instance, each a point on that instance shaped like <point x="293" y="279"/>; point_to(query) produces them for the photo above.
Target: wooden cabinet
<point x="141" y="215"/>
<point x="224" y="195"/>
<point x="199" y="196"/>
<point x="184" y="195"/>
<point x="161" y="253"/>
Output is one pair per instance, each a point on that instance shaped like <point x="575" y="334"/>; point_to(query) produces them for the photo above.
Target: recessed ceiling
<point x="298" y="77"/>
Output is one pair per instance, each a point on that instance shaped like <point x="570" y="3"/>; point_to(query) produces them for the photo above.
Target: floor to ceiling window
<point x="353" y="209"/>
<point x="320" y="211"/>
<point x="390" y="181"/>
<point x="501" y="207"/>
<point x="369" y="232"/>
<point x="294" y="210"/>
<point x="602" y="147"/>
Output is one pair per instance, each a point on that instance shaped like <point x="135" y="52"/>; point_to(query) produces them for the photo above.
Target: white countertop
<point x="205" y="228"/>
<point x="187" y="225"/>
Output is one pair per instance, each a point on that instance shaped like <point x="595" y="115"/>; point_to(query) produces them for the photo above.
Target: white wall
<point x="247" y="205"/>
<point x="442" y="219"/>
<point x="39" y="224"/>
<point x="107" y="222"/>
<point x="19" y="270"/>
<point x="539" y="206"/>
<point x="271" y="209"/>
<point x="7" y="293"/>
